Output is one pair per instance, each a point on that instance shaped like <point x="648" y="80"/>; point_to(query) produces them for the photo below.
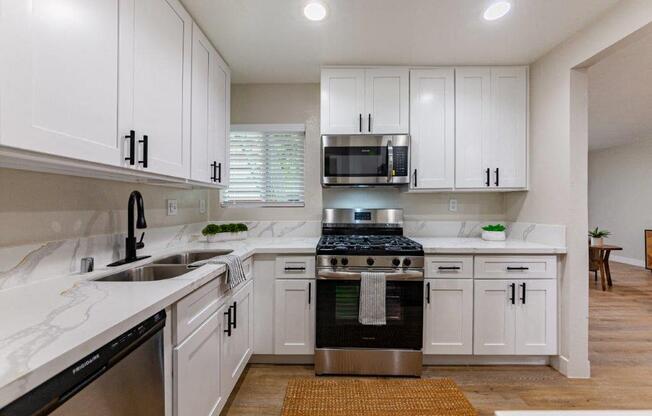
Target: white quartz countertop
<point x="48" y="325"/>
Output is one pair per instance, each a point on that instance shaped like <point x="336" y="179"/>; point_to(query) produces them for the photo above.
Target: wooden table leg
<point x="606" y="267"/>
<point x="603" y="273"/>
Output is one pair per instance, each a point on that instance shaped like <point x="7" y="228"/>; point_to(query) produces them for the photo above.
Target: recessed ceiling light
<point x="315" y="11"/>
<point x="497" y="10"/>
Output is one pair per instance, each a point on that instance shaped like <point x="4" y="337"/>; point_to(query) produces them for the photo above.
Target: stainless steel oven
<point x="365" y="160"/>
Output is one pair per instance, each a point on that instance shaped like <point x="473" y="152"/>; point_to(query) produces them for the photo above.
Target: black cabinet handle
<point x="449" y="267"/>
<point x="415" y="178"/>
<point x="132" y="147"/>
<point x="523" y="298"/>
<point x="513" y="297"/>
<point x="145" y="142"/>
<point x="235" y="315"/>
<point x="517" y="268"/>
<point x="369" y="124"/>
<point x="227" y="331"/>
<point x="309" y="292"/>
<point x="214" y="171"/>
<point x="487" y="172"/>
<point x="360" y="122"/>
<point x="428" y="293"/>
<point x="295" y="269"/>
<point x="497" y="177"/>
<point x="219" y="172"/>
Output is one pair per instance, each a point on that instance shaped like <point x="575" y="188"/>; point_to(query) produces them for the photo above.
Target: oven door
<point x="365" y="160"/>
<point x="338" y="299"/>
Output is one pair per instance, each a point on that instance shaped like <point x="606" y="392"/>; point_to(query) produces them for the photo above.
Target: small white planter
<point x="493" y="235"/>
<point x="215" y="238"/>
<point x="597" y="241"/>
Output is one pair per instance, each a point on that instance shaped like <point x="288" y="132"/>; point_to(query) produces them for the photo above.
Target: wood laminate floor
<point x="620" y="344"/>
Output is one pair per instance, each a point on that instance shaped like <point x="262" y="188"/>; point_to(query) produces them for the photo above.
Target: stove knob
<point x="370" y="261"/>
<point x="334" y="261"/>
<point x="344" y="261"/>
<point x="407" y="262"/>
<point x="396" y="262"/>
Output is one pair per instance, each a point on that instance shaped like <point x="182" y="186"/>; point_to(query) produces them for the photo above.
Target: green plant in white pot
<point x="225" y="232"/>
<point x="597" y="236"/>
<point x="495" y="232"/>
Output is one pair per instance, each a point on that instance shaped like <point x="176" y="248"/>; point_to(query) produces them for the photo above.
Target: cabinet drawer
<point x="449" y="267"/>
<point x="295" y="267"/>
<point x="248" y="266"/>
<point x="516" y="267"/>
<point x="194" y="309"/>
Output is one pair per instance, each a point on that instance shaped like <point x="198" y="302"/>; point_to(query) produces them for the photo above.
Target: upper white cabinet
<point x="209" y="111"/>
<point x="491" y="127"/>
<point x="432" y="128"/>
<point x="364" y="101"/>
<point x="59" y="86"/>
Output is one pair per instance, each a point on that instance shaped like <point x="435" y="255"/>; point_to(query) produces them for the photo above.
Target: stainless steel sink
<point x="148" y="273"/>
<point x="191" y="257"/>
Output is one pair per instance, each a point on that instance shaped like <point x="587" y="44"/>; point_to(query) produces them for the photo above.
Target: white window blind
<point x="266" y="166"/>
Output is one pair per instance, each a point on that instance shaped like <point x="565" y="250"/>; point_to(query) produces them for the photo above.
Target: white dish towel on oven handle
<point x="372" y="299"/>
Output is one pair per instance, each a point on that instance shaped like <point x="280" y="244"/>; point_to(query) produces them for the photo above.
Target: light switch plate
<point x="172" y="207"/>
<point x="452" y="205"/>
<point x="202" y="206"/>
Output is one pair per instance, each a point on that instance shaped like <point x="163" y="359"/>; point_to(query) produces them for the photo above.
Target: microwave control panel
<point x="400" y="161"/>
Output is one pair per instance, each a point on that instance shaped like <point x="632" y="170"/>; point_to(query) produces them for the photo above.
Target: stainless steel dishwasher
<point x="124" y="377"/>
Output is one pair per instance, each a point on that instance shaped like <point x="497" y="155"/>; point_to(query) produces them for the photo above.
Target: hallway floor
<point x="620" y="343"/>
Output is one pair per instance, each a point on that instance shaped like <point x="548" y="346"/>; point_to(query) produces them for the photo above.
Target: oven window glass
<point x="337" y="316"/>
<point x="355" y="161"/>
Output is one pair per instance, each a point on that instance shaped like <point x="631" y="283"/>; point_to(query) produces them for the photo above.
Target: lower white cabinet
<point x="238" y="338"/>
<point x="515" y="317"/>
<point x="294" y="316"/>
<point x="197" y="377"/>
<point x="448" y="317"/>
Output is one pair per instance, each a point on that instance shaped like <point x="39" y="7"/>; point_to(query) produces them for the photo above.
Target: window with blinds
<point x="266" y="166"/>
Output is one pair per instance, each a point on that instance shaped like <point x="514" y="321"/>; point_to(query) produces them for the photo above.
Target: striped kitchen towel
<point x="372" y="299"/>
<point x="235" y="273"/>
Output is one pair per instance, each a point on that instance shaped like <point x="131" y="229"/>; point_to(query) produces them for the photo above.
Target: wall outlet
<point x="452" y="205"/>
<point x="172" y="207"/>
<point x="202" y="206"/>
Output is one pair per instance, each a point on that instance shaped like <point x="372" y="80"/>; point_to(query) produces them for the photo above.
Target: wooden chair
<point x="595" y="261"/>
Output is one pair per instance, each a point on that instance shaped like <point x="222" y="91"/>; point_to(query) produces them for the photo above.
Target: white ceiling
<point x="620" y="96"/>
<point x="271" y="41"/>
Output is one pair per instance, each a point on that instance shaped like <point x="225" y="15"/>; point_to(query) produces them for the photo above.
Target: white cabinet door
<point x="197" y="378"/>
<point x="294" y="317"/>
<point x="536" y="319"/>
<point x="448" y="320"/>
<point x="155" y="65"/>
<point x="221" y="112"/>
<point x="387" y="101"/>
<point x="494" y="317"/>
<point x="432" y="128"/>
<point x="59" y="86"/>
<point x="237" y="346"/>
<point x="342" y="101"/>
<point x="508" y="150"/>
<point x="472" y="126"/>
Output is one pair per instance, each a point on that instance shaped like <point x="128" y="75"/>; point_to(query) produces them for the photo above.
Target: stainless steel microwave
<point x="365" y="160"/>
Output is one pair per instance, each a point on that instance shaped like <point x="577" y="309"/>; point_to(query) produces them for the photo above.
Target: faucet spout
<point x="131" y="245"/>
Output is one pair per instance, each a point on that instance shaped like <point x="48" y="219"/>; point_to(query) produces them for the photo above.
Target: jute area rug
<point x="315" y="396"/>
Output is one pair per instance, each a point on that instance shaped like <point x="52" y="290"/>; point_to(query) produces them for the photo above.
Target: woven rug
<point x="374" y="397"/>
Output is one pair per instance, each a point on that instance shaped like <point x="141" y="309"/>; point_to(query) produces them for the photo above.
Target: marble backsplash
<point x="21" y="265"/>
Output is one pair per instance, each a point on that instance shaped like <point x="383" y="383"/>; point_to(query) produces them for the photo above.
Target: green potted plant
<point x="597" y="236"/>
<point x="225" y="232"/>
<point x="495" y="232"/>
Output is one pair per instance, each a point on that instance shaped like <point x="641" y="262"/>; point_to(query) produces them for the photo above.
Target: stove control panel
<point x="372" y="262"/>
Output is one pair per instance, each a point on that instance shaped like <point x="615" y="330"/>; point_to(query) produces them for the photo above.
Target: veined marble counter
<point x="49" y="324"/>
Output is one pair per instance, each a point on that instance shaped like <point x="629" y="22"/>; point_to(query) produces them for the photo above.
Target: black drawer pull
<point x="449" y="268"/>
<point x="513" y="297"/>
<point x="235" y="315"/>
<point x="517" y="268"/>
<point x="428" y="292"/>
<point x="523" y="298"/>
<point x="309" y="292"/>
<point x="295" y="269"/>
<point x="497" y="177"/>
<point x="488" y="172"/>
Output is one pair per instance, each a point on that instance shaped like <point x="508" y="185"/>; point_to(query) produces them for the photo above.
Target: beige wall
<point x="38" y="207"/>
<point x="558" y="162"/>
<point x="620" y="195"/>
<point x="299" y="103"/>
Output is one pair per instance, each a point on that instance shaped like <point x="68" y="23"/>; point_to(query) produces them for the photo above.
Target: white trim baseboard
<point x="628" y="260"/>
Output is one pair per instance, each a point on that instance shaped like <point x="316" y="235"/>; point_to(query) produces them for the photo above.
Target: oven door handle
<point x="405" y="275"/>
<point x="390" y="161"/>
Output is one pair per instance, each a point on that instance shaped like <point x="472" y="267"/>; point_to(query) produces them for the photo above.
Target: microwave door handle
<point x="390" y="161"/>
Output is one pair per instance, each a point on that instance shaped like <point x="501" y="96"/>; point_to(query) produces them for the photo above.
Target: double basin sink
<point x="166" y="268"/>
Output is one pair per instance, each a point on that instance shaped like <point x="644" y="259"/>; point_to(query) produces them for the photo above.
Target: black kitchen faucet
<point x="131" y="245"/>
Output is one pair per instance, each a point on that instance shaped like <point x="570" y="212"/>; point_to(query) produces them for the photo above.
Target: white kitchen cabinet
<point x="432" y="128"/>
<point x="155" y="63"/>
<point x="491" y="127"/>
<point x="495" y="315"/>
<point x="59" y="87"/>
<point x="342" y="101"/>
<point x="294" y="316"/>
<point x="238" y="340"/>
<point x="448" y="316"/>
<point x="387" y="101"/>
<point x="209" y="111"/>
<point x="197" y="376"/>
<point x="536" y="318"/>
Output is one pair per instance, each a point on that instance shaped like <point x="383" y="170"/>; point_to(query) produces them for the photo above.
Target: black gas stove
<point x="373" y="245"/>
